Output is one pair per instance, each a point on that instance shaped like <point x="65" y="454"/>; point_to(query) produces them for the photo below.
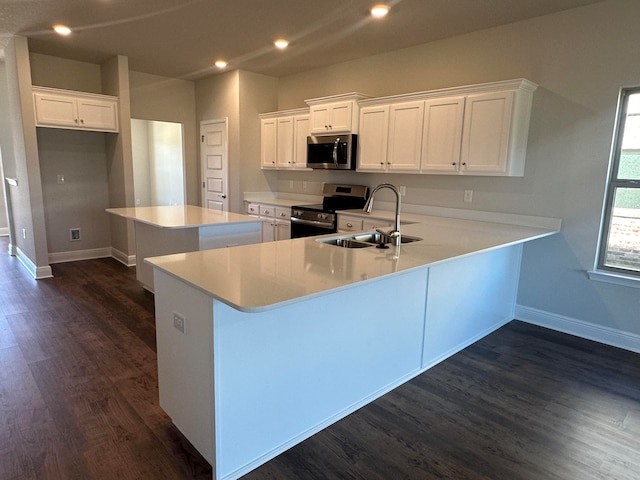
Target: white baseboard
<point x="4" y="232"/>
<point x="579" y="328"/>
<point x="128" y="260"/>
<point x="35" y="271"/>
<point x="73" y="256"/>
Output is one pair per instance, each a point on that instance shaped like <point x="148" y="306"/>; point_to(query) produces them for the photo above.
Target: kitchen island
<point x="162" y="230"/>
<point x="261" y="346"/>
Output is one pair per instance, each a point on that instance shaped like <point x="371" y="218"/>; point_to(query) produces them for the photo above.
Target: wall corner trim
<point x="36" y="272"/>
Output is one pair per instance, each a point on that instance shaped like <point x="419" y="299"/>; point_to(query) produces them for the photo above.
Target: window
<point x="619" y="250"/>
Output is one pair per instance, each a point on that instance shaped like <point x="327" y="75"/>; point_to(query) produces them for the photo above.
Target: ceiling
<point x="182" y="38"/>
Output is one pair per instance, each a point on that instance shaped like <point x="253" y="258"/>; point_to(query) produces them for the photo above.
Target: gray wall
<point x="580" y="58"/>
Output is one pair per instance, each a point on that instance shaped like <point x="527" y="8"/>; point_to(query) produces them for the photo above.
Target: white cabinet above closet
<point x="57" y="108"/>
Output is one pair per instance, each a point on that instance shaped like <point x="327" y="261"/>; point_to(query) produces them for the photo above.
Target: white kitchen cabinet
<point x="284" y="142"/>
<point x="335" y="114"/>
<point x="374" y="223"/>
<point x="335" y="117"/>
<point x="372" y="141"/>
<point x="486" y="130"/>
<point x="473" y="130"/>
<point x="300" y="134"/>
<point x="349" y="223"/>
<point x="283" y="137"/>
<point x="442" y="135"/>
<point x="268" y="142"/>
<point x="405" y="136"/>
<point x="276" y="221"/>
<point x="75" y="110"/>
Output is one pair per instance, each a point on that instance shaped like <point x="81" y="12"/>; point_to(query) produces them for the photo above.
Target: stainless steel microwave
<point x="332" y="152"/>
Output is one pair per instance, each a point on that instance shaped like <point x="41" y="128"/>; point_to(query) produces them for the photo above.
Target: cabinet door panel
<point x="320" y="118"/>
<point x="341" y="117"/>
<point x="442" y="135"/>
<point x="284" y="142"/>
<point x="300" y="133"/>
<point x="268" y="135"/>
<point x="372" y="141"/>
<point x="56" y="110"/>
<point x="485" y="138"/>
<point x="405" y="136"/>
<point x="97" y="114"/>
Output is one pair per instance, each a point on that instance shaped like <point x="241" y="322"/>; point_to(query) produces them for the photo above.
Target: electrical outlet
<point x="74" y="234"/>
<point x="403" y="190"/>
<point x="304" y="184"/>
<point x="290" y="184"/>
<point x="179" y="322"/>
<point x="60" y="179"/>
<point x="468" y="196"/>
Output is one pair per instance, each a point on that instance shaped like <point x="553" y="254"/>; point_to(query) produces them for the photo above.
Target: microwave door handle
<point x="335" y="152"/>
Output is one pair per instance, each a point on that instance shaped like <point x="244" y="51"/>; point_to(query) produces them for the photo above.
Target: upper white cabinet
<point x="75" y="110"/>
<point x="442" y="134"/>
<point x="474" y="130"/>
<point x="335" y="114"/>
<point x="486" y="132"/>
<point x="372" y="141"/>
<point x="283" y="137"/>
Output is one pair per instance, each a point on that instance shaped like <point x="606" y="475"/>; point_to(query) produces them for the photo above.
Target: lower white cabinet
<point x="75" y="110"/>
<point x="276" y="221"/>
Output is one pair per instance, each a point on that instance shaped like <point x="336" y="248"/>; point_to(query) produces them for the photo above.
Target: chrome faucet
<point x="395" y="233"/>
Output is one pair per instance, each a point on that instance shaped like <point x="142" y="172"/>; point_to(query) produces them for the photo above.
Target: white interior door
<point x="214" y="160"/>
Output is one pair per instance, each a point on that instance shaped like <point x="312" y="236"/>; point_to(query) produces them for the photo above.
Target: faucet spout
<point x="395" y="233"/>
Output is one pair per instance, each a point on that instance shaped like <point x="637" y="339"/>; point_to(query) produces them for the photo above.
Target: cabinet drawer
<point x="283" y="213"/>
<point x="267" y="211"/>
<point x="349" y="224"/>
<point x="373" y="223"/>
<point x="253" y="209"/>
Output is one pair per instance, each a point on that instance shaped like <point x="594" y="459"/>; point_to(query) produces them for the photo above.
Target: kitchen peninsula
<point x="163" y="230"/>
<point x="261" y="346"/>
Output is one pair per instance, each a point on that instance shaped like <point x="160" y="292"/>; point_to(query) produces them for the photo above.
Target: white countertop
<point x="262" y="276"/>
<point x="180" y="216"/>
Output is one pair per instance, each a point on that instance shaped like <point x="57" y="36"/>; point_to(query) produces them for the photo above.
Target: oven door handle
<point x="312" y="223"/>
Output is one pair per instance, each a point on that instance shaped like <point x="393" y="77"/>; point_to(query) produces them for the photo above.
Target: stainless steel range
<point x="320" y="219"/>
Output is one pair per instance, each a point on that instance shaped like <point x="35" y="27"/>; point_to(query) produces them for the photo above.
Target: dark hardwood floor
<point x="79" y="400"/>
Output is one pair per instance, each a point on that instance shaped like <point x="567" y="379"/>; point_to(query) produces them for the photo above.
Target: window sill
<point x="615" y="278"/>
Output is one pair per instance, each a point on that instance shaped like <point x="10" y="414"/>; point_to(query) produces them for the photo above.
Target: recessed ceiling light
<point x="281" y="43"/>
<point x="379" y="10"/>
<point x="221" y="64"/>
<point x="62" y="30"/>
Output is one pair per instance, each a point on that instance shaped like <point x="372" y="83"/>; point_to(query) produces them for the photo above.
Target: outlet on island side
<point x="468" y="196"/>
<point x="179" y="322"/>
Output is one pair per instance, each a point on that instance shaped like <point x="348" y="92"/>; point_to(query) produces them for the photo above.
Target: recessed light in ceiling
<point x="62" y="30"/>
<point x="281" y="43"/>
<point x="221" y="64"/>
<point x="379" y="11"/>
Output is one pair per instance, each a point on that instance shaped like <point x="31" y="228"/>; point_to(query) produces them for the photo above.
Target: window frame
<point x="612" y="185"/>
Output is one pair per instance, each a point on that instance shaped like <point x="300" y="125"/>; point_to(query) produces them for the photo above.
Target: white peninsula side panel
<point x="281" y="375"/>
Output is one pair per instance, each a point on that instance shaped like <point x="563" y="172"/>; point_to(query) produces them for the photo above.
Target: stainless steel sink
<point x="346" y="243"/>
<point x="378" y="238"/>
<point x="362" y="240"/>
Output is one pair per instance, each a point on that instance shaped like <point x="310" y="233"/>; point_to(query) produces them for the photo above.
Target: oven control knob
<point x="297" y="213"/>
<point x="322" y="216"/>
